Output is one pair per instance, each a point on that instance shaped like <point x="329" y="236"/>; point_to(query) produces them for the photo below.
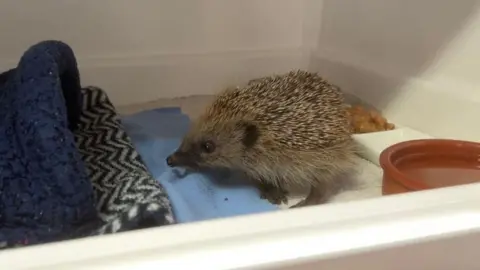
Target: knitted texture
<point x="45" y="193"/>
<point x="127" y="195"/>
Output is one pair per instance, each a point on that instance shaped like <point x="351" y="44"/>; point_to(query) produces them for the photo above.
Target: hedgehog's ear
<point x="250" y="132"/>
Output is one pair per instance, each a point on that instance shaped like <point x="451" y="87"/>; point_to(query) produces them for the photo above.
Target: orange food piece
<point x="365" y="121"/>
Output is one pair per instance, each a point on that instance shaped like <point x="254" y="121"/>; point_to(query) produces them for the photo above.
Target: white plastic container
<point x="416" y="60"/>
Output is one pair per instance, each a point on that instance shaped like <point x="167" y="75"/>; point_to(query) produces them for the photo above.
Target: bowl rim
<point x="386" y="164"/>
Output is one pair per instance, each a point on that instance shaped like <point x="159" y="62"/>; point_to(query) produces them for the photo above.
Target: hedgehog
<point x="281" y="131"/>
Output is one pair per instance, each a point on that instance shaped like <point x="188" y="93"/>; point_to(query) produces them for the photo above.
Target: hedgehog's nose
<point x="170" y="161"/>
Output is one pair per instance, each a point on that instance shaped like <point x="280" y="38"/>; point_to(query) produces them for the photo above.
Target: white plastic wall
<point x="401" y="56"/>
<point x="415" y="59"/>
<point x="147" y="49"/>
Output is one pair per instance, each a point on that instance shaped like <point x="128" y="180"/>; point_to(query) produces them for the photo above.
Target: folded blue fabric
<point x="194" y="196"/>
<point x="45" y="193"/>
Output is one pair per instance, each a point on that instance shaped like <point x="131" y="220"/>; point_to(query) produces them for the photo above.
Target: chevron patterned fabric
<point x="127" y="196"/>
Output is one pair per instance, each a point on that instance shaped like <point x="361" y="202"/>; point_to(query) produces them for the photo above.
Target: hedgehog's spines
<point x="291" y="128"/>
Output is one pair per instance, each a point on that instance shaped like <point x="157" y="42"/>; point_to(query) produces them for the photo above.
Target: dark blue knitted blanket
<point x="62" y="173"/>
<point x="44" y="189"/>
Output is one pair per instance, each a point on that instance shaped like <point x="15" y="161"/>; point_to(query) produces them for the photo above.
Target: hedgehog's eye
<point x="208" y="146"/>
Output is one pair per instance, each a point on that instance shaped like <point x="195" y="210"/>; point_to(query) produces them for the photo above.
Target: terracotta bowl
<point x="429" y="163"/>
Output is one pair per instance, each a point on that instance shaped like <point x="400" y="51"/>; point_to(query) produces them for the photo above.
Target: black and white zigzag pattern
<point x="127" y="195"/>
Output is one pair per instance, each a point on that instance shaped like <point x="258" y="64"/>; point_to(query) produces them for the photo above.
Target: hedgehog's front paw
<point x="301" y="203"/>
<point x="273" y="194"/>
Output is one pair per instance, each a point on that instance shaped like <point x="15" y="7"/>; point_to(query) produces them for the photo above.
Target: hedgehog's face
<point x="220" y="145"/>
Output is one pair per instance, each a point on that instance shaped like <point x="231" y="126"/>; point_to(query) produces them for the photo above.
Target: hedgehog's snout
<point x="176" y="159"/>
<point x="180" y="159"/>
<point x="171" y="160"/>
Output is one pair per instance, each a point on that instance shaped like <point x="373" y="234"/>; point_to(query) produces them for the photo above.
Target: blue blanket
<point x="157" y="133"/>
<point x="44" y="189"/>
